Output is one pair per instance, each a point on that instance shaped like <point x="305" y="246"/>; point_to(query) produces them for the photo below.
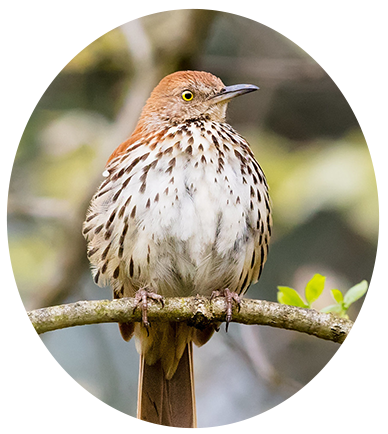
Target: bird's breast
<point x="180" y="211"/>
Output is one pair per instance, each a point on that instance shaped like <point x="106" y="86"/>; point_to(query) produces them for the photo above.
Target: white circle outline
<point x="17" y="145"/>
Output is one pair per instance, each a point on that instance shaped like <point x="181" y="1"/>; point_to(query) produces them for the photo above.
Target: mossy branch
<point x="196" y="311"/>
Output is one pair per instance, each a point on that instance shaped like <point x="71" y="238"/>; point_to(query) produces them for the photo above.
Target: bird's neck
<point x="152" y="122"/>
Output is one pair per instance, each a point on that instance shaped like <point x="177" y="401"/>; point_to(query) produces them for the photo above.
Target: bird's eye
<point x="187" y="95"/>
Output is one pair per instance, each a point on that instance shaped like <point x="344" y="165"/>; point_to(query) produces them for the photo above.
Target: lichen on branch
<point x="197" y="311"/>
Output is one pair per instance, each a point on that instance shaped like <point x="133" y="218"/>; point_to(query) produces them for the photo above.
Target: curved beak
<point x="229" y="92"/>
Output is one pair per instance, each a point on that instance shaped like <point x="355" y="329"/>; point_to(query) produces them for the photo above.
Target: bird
<point x="184" y="210"/>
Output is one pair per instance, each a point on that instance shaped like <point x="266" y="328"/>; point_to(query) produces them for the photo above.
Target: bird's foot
<point x="229" y="297"/>
<point x="142" y="297"/>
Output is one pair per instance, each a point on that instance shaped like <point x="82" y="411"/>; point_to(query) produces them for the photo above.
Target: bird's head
<point x="189" y="95"/>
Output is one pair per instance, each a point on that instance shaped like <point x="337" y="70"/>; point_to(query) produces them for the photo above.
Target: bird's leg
<point x="230" y="297"/>
<point x="142" y="296"/>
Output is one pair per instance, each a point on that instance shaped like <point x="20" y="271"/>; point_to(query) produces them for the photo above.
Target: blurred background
<point x="303" y="133"/>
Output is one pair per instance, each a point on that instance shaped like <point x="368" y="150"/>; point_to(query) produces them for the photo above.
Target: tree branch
<point x="196" y="311"/>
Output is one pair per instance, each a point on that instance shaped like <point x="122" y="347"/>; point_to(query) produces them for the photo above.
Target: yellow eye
<point x="187" y="95"/>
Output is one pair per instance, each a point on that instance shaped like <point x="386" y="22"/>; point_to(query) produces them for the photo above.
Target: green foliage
<point x="313" y="291"/>
<point x="314" y="288"/>
<point x="289" y="296"/>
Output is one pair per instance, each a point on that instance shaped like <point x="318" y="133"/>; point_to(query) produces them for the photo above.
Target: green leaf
<point x="337" y="295"/>
<point x="356" y="292"/>
<point x="333" y="308"/>
<point x="289" y="296"/>
<point x="314" y="288"/>
<point x="281" y="298"/>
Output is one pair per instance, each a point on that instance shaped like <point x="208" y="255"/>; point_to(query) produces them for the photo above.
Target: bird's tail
<point x="169" y="402"/>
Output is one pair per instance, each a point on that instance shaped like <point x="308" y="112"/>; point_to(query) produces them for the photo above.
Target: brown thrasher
<point x="184" y="210"/>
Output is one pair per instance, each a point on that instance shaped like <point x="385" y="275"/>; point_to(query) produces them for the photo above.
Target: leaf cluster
<point x="313" y="291"/>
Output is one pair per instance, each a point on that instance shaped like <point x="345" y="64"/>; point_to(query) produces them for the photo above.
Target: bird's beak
<point x="229" y="92"/>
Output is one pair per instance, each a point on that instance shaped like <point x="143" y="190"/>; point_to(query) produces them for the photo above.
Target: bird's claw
<point x="229" y="297"/>
<point x="142" y="296"/>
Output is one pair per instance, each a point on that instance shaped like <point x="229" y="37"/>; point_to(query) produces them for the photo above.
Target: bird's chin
<point x="217" y="112"/>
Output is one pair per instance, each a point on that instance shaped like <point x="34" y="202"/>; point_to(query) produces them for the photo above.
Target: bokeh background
<point x="303" y="133"/>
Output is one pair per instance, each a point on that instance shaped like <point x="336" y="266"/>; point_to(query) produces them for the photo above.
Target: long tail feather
<point x="168" y="402"/>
